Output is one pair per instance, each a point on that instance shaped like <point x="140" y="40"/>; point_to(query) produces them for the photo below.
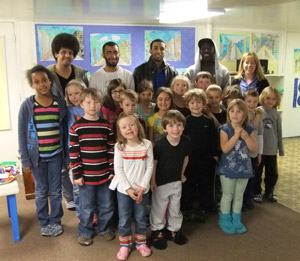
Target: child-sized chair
<point x="10" y="190"/>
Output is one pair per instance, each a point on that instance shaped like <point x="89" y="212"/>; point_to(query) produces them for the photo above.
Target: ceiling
<point x="272" y="14"/>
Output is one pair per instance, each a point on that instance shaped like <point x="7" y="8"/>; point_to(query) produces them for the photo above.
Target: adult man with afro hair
<point x="65" y="48"/>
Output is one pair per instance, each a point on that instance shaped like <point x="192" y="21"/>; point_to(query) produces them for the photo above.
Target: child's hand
<point x="206" y="110"/>
<point x="183" y="178"/>
<point x="237" y="131"/>
<point x="79" y="182"/>
<point x="258" y="111"/>
<point x="216" y="122"/>
<point x="26" y="170"/>
<point x="258" y="159"/>
<point x="255" y="121"/>
<point x="244" y="134"/>
<point x="111" y="176"/>
<point x="132" y="193"/>
<point x="139" y="193"/>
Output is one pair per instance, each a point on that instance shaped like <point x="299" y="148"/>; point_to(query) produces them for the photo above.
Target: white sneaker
<point x="70" y="205"/>
<point x="258" y="198"/>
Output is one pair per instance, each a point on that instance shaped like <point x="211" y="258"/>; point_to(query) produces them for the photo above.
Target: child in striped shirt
<point x="42" y="144"/>
<point x="91" y="156"/>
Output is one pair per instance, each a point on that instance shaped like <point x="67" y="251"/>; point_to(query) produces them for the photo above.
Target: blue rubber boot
<point x="238" y="225"/>
<point x="225" y="223"/>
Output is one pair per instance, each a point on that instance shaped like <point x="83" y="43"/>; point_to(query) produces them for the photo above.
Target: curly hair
<point x="35" y="69"/>
<point x="65" y="40"/>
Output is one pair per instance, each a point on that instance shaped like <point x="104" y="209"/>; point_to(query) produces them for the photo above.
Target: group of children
<point x="190" y="135"/>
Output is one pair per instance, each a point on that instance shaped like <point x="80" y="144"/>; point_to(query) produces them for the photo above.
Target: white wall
<point x="8" y="138"/>
<point x="290" y="115"/>
<point x="22" y="53"/>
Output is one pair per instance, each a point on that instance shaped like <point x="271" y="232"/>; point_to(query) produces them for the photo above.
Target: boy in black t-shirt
<point x="200" y="171"/>
<point x="214" y="109"/>
<point x="170" y="160"/>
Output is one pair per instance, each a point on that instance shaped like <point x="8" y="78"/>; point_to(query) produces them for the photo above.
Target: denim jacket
<point x="27" y="134"/>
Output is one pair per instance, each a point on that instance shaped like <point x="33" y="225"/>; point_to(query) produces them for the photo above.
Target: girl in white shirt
<point x="133" y="164"/>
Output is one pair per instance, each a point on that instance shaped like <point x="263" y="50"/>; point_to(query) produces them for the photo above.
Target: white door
<point x="9" y="94"/>
<point x="291" y="110"/>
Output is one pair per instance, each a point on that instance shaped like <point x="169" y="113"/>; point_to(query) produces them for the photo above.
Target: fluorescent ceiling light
<point x="172" y="11"/>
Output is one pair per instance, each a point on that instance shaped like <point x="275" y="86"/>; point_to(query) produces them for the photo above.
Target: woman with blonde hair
<point x="250" y="74"/>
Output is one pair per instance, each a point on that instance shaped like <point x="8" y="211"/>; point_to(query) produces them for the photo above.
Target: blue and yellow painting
<point x="98" y="40"/>
<point x="296" y="60"/>
<point x="172" y="40"/>
<point x="46" y="33"/>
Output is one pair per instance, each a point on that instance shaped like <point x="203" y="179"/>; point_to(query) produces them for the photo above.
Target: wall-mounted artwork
<point x="98" y="40"/>
<point x="266" y="46"/>
<point x="134" y="42"/>
<point x="172" y="40"/>
<point x="296" y="60"/>
<point x="232" y="45"/>
<point x="296" y="97"/>
<point x="4" y="106"/>
<point x="45" y="35"/>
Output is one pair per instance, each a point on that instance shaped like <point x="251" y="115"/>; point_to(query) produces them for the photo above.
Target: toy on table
<point x="11" y="172"/>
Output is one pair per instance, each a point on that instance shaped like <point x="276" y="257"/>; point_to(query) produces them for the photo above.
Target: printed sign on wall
<point x="296" y="99"/>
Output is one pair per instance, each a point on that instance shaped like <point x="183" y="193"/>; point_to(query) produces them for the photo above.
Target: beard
<point x="157" y="60"/>
<point x="111" y="64"/>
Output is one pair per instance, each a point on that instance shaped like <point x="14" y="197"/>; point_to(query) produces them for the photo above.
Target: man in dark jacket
<point x="156" y="69"/>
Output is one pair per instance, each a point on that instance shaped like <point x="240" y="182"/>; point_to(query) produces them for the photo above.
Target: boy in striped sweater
<point x="91" y="156"/>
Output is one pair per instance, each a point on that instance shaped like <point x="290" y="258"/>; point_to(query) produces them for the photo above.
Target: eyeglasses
<point x="119" y="92"/>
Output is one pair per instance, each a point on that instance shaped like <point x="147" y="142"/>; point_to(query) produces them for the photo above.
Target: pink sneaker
<point x="123" y="253"/>
<point x="144" y="250"/>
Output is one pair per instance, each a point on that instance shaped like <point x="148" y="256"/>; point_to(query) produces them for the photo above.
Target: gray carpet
<point x="273" y="234"/>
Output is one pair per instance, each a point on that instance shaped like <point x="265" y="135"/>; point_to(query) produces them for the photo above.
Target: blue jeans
<point x="91" y="196"/>
<point x="47" y="177"/>
<point x="126" y="206"/>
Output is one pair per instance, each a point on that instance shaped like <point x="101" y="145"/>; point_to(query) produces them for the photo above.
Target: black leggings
<point x="271" y="174"/>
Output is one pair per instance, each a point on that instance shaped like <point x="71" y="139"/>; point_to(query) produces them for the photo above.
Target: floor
<point x="288" y="185"/>
<point x="206" y="241"/>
